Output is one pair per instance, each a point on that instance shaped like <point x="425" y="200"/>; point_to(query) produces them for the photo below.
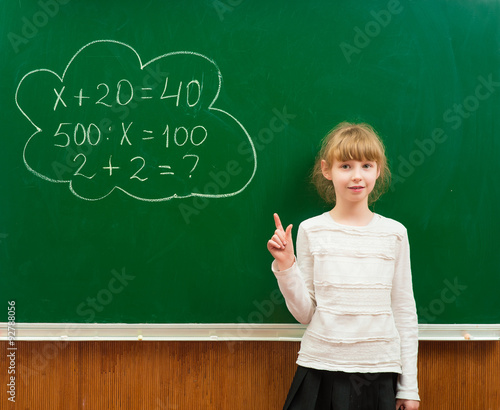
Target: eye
<point x="345" y="166"/>
<point x="368" y="165"/>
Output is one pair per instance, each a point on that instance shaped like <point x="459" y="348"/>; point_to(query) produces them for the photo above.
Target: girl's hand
<point x="407" y="404"/>
<point x="281" y="245"/>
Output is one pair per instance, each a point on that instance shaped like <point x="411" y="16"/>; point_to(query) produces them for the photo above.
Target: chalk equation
<point x="150" y="130"/>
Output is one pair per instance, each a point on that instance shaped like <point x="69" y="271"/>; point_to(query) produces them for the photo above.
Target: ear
<point x="378" y="171"/>
<point x="326" y="170"/>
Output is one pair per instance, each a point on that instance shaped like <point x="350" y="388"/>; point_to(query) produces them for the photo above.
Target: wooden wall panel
<point x="219" y="375"/>
<point x="151" y="375"/>
<point x="459" y="375"/>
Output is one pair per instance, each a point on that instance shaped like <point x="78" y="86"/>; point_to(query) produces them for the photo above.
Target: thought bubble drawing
<point x="148" y="129"/>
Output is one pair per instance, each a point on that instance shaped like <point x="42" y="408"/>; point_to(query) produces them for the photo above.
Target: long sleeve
<point x="352" y="286"/>
<point x="405" y="316"/>
<point x="296" y="283"/>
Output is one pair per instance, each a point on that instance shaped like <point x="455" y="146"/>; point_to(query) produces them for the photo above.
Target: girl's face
<point x="353" y="180"/>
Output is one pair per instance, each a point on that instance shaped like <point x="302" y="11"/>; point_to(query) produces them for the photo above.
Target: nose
<point x="356" y="176"/>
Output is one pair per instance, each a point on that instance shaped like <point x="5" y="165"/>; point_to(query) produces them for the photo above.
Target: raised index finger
<point x="277" y="222"/>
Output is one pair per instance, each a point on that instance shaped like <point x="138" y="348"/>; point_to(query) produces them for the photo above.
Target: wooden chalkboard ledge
<point x="218" y="332"/>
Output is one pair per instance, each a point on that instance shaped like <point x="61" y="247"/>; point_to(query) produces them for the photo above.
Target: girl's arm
<point x="405" y="316"/>
<point x="295" y="277"/>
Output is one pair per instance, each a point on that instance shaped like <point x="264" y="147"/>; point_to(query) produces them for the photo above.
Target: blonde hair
<point x="348" y="141"/>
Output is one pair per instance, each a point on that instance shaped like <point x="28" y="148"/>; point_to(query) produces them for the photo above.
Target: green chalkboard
<point x="146" y="145"/>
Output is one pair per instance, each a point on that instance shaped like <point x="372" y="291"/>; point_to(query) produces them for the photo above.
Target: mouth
<point x="356" y="188"/>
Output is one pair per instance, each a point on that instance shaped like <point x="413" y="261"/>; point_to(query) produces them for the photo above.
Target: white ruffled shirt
<point x="352" y="285"/>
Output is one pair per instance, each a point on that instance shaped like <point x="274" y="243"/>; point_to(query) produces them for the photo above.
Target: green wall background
<point x="266" y="81"/>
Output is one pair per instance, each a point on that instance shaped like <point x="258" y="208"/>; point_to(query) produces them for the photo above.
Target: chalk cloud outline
<point x="142" y="67"/>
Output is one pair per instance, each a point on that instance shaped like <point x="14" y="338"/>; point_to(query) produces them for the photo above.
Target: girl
<point x="351" y="283"/>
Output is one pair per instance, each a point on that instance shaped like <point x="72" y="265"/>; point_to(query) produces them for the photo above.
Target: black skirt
<point x="324" y="390"/>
